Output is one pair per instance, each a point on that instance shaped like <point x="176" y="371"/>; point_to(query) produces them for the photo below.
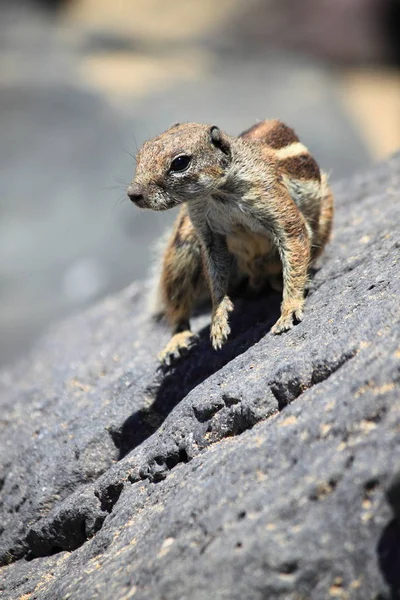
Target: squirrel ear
<point x="219" y="140"/>
<point x="215" y="135"/>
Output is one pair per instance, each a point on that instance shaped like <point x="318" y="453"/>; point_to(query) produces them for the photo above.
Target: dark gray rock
<point x="265" y="470"/>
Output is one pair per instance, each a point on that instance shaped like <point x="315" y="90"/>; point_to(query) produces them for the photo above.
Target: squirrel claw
<point x="178" y="346"/>
<point x="220" y="329"/>
<point x="285" y="321"/>
<point x="219" y="334"/>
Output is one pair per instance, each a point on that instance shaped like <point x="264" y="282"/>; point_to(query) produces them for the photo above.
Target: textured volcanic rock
<point x="266" y="470"/>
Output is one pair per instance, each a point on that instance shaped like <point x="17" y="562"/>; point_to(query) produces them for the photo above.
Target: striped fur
<point x="306" y="184"/>
<point x="274" y="133"/>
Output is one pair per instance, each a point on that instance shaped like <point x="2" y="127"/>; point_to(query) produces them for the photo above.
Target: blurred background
<point x="84" y="82"/>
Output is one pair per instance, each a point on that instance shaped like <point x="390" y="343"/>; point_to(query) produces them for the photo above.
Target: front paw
<point x="286" y="320"/>
<point x="220" y="329"/>
<point x="178" y="346"/>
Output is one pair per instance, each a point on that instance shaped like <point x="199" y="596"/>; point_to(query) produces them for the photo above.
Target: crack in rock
<point x="289" y="386"/>
<point x="68" y="526"/>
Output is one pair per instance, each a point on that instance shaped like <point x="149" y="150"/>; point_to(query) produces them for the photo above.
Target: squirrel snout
<point x="135" y="193"/>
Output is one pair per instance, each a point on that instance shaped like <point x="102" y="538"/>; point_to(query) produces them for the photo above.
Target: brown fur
<point x="323" y="228"/>
<point x="274" y="133"/>
<point x="302" y="166"/>
<point x="182" y="271"/>
<point x="260" y="198"/>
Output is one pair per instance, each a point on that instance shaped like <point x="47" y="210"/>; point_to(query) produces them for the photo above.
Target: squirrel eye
<point x="180" y="163"/>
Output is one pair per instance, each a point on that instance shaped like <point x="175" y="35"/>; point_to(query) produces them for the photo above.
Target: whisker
<point x="121" y="181"/>
<point x="120" y="200"/>
<point x="129" y="153"/>
<point x="134" y="139"/>
<point x="113" y="187"/>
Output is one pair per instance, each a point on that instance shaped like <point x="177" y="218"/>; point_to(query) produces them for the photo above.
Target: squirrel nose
<point x="135" y="193"/>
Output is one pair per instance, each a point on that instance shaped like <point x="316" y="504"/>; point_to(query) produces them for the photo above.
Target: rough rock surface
<point x="266" y="470"/>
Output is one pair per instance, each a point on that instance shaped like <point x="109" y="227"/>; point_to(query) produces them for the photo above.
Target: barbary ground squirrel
<point x="256" y="205"/>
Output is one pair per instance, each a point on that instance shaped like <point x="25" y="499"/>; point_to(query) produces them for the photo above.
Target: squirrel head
<point x="185" y="162"/>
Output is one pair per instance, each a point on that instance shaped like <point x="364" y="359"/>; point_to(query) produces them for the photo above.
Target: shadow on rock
<point x="389" y="557"/>
<point x="250" y="321"/>
<point x="389" y="544"/>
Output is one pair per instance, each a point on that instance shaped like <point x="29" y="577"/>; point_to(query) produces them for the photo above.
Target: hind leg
<point x="324" y="228"/>
<point x="182" y="282"/>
